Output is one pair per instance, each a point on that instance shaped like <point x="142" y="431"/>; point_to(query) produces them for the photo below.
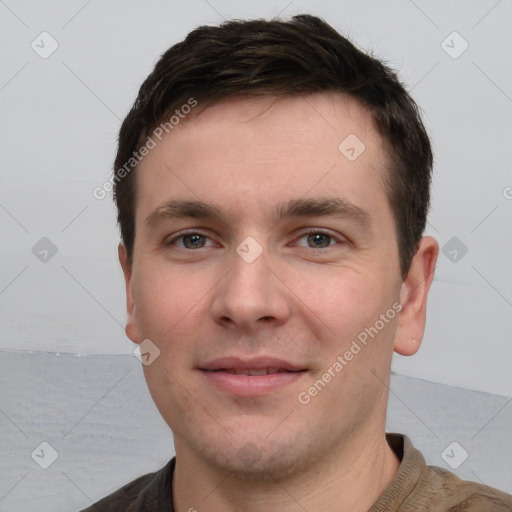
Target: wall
<point x="61" y="114"/>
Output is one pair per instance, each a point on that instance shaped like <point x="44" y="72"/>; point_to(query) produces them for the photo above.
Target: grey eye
<point x="193" y="241"/>
<point x="319" y="240"/>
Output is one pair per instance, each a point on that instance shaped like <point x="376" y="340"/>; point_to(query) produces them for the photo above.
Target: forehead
<point x="250" y="152"/>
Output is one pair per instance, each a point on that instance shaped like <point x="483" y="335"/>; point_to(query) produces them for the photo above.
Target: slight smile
<point x="246" y="377"/>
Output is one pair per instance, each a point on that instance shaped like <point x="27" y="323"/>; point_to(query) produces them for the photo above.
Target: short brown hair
<point x="283" y="58"/>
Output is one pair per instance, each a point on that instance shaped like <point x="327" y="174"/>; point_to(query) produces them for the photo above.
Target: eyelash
<point x="306" y="232"/>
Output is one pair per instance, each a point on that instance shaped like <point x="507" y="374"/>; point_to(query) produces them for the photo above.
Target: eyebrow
<point x="317" y="207"/>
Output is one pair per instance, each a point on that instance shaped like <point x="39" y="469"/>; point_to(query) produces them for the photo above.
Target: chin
<point x="259" y="460"/>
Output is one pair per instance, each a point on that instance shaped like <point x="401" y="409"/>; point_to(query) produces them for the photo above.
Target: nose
<point x="250" y="296"/>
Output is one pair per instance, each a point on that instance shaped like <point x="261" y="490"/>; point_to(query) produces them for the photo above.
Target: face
<point x="262" y="254"/>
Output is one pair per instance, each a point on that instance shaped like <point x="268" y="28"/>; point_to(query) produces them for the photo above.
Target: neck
<point x="349" y="479"/>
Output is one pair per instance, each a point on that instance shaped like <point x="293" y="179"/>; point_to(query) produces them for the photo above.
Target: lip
<point x="253" y="363"/>
<point x="221" y="374"/>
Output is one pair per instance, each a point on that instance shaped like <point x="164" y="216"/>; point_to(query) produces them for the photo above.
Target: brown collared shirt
<point x="415" y="488"/>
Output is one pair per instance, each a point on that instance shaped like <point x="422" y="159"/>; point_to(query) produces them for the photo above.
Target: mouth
<point x="253" y="371"/>
<point x="243" y="377"/>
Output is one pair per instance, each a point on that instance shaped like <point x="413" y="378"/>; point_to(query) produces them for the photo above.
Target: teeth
<point x="254" y="372"/>
<point x="263" y="371"/>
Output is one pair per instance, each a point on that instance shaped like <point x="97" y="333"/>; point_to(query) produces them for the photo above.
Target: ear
<point x="413" y="297"/>
<point x="131" y="328"/>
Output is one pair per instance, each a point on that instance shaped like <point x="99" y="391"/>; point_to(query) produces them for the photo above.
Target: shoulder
<point x="149" y="492"/>
<point x="418" y="487"/>
<point x="452" y="494"/>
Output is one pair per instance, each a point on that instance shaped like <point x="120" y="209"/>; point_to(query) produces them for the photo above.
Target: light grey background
<point x="59" y="121"/>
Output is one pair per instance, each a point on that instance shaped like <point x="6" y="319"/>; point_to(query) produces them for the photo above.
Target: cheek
<point x="171" y="395"/>
<point x="344" y="300"/>
<point x="166" y="302"/>
<point x="350" y="306"/>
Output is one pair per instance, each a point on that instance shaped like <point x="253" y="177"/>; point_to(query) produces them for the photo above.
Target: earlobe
<point x="413" y="298"/>
<point x="131" y="328"/>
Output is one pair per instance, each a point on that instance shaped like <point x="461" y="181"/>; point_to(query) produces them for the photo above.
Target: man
<point x="272" y="184"/>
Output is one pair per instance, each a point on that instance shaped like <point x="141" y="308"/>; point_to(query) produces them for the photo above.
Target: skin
<point x="296" y="301"/>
